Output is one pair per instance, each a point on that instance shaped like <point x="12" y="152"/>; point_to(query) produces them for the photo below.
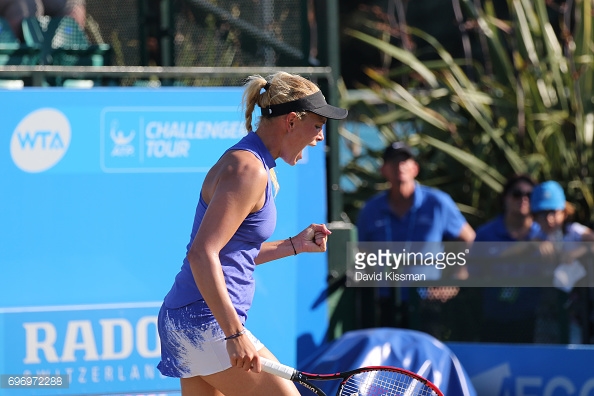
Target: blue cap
<point x="547" y="196"/>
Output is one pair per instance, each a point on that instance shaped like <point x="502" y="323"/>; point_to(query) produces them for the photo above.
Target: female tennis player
<point x="201" y="322"/>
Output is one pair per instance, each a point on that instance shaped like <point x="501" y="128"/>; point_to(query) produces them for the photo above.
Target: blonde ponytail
<point x="278" y="88"/>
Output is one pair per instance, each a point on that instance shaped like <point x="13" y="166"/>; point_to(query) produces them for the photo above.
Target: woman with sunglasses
<point x="507" y="312"/>
<point x="516" y="222"/>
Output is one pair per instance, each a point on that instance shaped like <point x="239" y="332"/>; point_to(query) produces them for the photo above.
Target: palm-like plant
<point x="531" y="109"/>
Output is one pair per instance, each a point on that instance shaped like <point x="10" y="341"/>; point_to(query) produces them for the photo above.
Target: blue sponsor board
<point x="165" y="139"/>
<point x="98" y="347"/>
<point x="98" y="190"/>
<point x="526" y="370"/>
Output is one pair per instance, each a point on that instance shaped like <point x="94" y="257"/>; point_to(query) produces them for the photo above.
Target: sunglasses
<point x="520" y="193"/>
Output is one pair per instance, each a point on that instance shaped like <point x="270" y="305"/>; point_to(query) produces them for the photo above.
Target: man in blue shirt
<point x="408" y="212"/>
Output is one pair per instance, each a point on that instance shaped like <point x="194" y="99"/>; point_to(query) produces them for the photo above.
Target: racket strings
<point x="384" y="383"/>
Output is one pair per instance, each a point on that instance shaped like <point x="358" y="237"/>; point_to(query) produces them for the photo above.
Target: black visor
<point x="315" y="103"/>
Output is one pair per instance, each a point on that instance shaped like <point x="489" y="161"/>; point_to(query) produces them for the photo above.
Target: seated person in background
<point x="553" y="213"/>
<point x="515" y="223"/>
<point x="561" y="247"/>
<point x="73" y="8"/>
<point x="507" y="312"/>
<point x="557" y="231"/>
<point x="14" y="11"/>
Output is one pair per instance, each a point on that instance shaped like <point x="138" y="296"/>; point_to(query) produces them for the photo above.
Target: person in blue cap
<point x="553" y="213"/>
<point x="559" y="236"/>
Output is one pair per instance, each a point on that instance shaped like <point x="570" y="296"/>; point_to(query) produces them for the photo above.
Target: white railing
<point x="39" y="73"/>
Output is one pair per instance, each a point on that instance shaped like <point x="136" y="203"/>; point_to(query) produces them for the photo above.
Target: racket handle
<point x="278" y="369"/>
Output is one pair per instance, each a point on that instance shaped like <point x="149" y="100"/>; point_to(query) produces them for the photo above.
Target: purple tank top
<point x="237" y="257"/>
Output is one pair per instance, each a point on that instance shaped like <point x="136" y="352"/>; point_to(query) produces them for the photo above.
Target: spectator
<point x="515" y="223"/>
<point x="14" y="11"/>
<point x="507" y="312"/>
<point x="73" y="8"/>
<point x="554" y="215"/>
<point x="560" y="236"/>
<point x="408" y="212"/>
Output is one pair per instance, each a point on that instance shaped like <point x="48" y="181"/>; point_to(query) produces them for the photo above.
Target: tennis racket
<point x="365" y="381"/>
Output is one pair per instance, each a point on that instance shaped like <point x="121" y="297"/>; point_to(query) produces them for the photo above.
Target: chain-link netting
<point x="117" y="24"/>
<point x="232" y="33"/>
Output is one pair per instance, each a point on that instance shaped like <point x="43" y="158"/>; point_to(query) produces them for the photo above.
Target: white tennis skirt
<point x="192" y="343"/>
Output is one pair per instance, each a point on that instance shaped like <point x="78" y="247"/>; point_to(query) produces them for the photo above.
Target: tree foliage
<point x="519" y="101"/>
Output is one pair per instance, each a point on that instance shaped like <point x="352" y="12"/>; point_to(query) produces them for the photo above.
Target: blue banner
<point x="99" y="347"/>
<point x="98" y="190"/>
<point x="165" y="139"/>
<point x="526" y="370"/>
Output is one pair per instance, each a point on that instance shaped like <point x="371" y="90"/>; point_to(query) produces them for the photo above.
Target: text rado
<point x="112" y="339"/>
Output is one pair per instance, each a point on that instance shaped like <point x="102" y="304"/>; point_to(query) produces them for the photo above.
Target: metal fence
<point x="111" y="75"/>
<point x="201" y="32"/>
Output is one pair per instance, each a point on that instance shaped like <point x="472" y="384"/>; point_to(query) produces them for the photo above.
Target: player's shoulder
<point x="242" y="167"/>
<point x="242" y="161"/>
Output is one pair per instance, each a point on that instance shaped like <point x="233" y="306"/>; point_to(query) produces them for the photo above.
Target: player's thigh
<point x="196" y="386"/>
<point x="238" y="382"/>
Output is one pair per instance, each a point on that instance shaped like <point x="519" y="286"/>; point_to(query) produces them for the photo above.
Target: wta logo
<point x="40" y="140"/>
